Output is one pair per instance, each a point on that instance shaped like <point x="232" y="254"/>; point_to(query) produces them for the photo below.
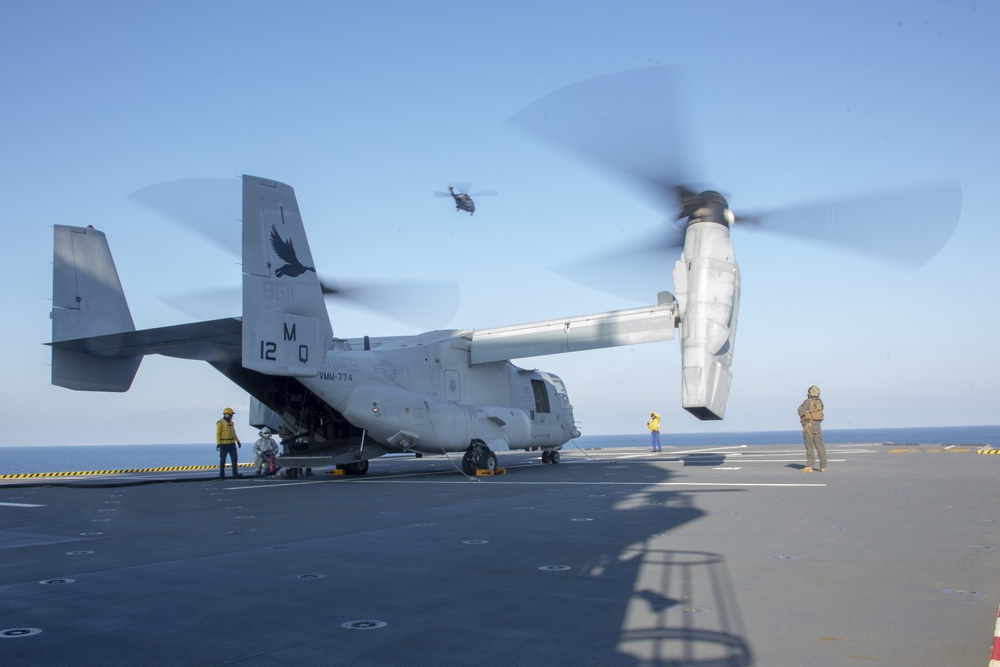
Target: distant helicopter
<point x="463" y="201"/>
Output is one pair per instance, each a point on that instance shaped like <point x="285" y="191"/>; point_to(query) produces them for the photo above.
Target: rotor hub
<point x="706" y="206"/>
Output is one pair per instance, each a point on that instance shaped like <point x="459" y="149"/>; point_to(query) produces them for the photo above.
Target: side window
<point x="560" y="388"/>
<point x="541" y="396"/>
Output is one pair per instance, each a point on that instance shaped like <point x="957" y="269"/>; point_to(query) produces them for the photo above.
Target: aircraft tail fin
<point x="286" y="327"/>
<point x="87" y="302"/>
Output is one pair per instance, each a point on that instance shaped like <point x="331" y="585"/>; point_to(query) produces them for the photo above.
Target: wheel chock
<point x="490" y="473"/>
<point x="338" y="471"/>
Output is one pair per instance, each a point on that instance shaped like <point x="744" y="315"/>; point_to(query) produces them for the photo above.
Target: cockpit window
<point x="560" y="388"/>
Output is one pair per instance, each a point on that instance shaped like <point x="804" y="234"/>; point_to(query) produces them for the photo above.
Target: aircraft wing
<point x="213" y="340"/>
<point x="647" y="324"/>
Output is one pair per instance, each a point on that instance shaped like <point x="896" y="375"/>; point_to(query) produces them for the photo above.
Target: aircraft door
<point x="542" y="414"/>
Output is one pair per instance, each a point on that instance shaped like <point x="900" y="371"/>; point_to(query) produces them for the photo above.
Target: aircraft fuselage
<point x="428" y="398"/>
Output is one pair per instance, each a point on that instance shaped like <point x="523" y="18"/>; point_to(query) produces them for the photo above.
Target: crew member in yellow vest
<point x="811" y="418"/>
<point x="654" y="430"/>
<point x="226" y="441"/>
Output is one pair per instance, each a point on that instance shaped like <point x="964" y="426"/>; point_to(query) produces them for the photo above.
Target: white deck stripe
<point x="506" y="482"/>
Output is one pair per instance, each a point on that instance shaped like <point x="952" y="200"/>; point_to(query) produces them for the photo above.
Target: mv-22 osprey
<point x="351" y="400"/>
<point x="348" y="401"/>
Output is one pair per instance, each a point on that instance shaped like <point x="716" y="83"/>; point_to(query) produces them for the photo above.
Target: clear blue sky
<point x="367" y="108"/>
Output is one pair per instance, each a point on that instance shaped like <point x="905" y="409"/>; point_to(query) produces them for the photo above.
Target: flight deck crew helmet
<point x="227" y="411"/>
<point x="265" y="432"/>
<point x="813" y="392"/>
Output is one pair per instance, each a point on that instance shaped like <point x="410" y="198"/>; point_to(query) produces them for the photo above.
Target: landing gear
<point x="478" y="457"/>
<point x="354" y="468"/>
<point x="550" y="456"/>
<point x="357" y="468"/>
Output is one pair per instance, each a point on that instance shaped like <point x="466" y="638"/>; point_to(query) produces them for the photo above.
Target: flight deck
<point x="720" y="556"/>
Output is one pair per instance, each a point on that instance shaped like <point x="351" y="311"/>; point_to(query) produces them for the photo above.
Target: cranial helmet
<point x="813" y="392"/>
<point x="265" y="432"/>
<point x="227" y="411"/>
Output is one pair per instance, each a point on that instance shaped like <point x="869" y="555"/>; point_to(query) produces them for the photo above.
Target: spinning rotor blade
<point x="625" y="122"/>
<point x="906" y="227"/>
<point x="431" y="304"/>
<point x="428" y="305"/>
<point x="628" y="122"/>
<point x="212" y="207"/>
<point x="207" y="304"/>
<point x="637" y="271"/>
<point x="485" y="193"/>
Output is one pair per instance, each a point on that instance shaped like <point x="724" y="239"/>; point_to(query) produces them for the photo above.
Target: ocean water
<point x="42" y="458"/>
<point x="937" y="435"/>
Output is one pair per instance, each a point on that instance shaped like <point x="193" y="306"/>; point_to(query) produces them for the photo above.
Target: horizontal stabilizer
<point x="85" y="372"/>
<point x="213" y="341"/>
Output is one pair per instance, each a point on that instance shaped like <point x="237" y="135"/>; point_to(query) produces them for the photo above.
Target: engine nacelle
<point x="707" y="280"/>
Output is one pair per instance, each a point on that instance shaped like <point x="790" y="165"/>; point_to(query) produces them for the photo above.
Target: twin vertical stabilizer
<point x="286" y="328"/>
<point x="88" y="303"/>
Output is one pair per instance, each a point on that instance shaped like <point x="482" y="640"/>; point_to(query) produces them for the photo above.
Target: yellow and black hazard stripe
<point x="85" y="473"/>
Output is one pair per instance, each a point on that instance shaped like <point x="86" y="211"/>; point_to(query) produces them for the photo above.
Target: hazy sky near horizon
<point x="366" y="109"/>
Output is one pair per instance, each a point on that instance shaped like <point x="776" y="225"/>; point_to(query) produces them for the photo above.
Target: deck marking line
<point x="646" y="484"/>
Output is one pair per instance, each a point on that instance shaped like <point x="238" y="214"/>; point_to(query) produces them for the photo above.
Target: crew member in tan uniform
<point x="811" y="418"/>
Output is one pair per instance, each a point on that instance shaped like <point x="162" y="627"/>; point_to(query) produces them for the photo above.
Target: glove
<point x="217" y="448"/>
<point x="239" y="445"/>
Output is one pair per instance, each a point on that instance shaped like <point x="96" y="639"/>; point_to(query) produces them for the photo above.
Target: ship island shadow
<point x="637" y="600"/>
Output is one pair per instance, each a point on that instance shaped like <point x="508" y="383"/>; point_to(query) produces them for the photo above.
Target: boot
<point x="807" y="469"/>
<point x="822" y="469"/>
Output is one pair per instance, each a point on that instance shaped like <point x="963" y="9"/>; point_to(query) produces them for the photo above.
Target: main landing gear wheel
<point x="478" y="457"/>
<point x="550" y="456"/>
<point x="357" y="468"/>
<point x="354" y="468"/>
